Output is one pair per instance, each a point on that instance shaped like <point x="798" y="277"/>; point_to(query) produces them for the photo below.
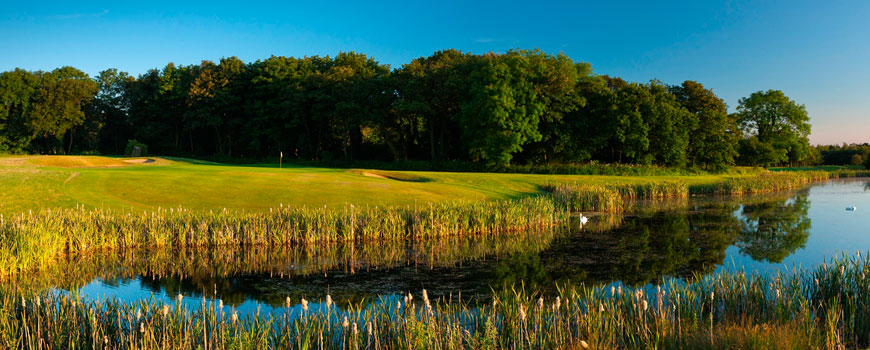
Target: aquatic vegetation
<point x="762" y="183"/>
<point x="33" y="239"/>
<point x="826" y="307"/>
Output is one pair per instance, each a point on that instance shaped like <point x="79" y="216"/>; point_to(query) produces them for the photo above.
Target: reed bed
<point x="281" y="262"/>
<point x="613" y="198"/>
<point x="33" y="239"/>
<point x="827" y="307"/>
<point x="629" y="197"/>
<point x="763" y="183"/>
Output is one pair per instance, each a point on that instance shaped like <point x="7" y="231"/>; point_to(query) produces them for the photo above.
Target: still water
<point x="684" y="239"/>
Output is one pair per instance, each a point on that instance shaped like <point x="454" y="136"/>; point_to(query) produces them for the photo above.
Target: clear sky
<point x="817" y="52"/>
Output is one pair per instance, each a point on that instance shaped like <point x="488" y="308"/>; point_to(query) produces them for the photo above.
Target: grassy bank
<point x="33" y="239"/>
<point x="824" y="308"/>
<point x="39" y="182"/>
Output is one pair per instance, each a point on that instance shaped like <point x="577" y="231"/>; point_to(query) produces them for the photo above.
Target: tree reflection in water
<point x="774" y="230"/>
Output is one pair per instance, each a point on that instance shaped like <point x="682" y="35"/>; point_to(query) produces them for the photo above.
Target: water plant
<point x="826" y="307"/>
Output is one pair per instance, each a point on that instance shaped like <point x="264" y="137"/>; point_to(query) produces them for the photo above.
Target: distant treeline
<point x="845" y="154"/>
<point x="519" y="107"/>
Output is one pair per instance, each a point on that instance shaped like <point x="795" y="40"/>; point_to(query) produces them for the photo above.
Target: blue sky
<point x="817" y="52"/>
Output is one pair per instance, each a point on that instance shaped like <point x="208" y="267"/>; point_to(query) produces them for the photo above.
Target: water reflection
<point x="684" y="239"/>
<point x="774" y="230"/>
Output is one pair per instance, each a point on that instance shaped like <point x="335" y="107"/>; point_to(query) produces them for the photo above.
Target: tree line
<point x="519" y="107"/>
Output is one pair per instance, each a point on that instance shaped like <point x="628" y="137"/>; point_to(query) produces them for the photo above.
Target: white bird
<point x="583" y="219"/>
<point x="852" y="208"/>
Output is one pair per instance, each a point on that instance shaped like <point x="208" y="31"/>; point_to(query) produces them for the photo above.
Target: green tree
<point x="16" y="92"/>
<point x="503" y="111"/>
<point x="713" y="143"/>
<point x="776" y="129"/>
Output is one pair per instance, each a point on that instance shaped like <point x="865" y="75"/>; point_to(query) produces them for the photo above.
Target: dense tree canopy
<point x="776" y="129"/>
<point x="519" y="107"/>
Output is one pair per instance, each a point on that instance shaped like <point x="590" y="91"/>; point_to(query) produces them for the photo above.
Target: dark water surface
<point x="684" y="239"/>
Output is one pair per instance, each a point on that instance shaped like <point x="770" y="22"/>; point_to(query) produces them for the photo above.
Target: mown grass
<point x="823" y="308"/>
<point x="38" y="182"/>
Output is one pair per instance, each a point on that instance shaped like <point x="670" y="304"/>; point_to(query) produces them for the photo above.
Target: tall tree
<point x="713" y="143"/>
<point x="776" y="129"/>
<point x="58" y="107"/>
<point x="503" y="111"/>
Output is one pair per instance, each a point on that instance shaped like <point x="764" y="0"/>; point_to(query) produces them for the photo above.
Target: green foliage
<point x="776" y="127"/>
<point x="523" y="107"/>
<point x="131" y="146"/>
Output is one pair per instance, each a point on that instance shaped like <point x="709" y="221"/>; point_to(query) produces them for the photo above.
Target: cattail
<point x="328" y="301"/>
<point x="304" y="304"/>
<point x="645" y="305"/>
<point x="355" y="330"/>
<point x="23" y="302"/>
<point x="540" y="303"/>
<point x="105" y="339"/>
<point x="583" y="344"/>
<point x="612" y="290"/>
<point x="345" y="323"/>
<point x="558" y="303"/>
<point x="712" y="295"/>
<point x="287" y="302"/>
<point x="165" y="310"/>
<point x="220" y="304"/>
<point x="138" y="314"/>
<point x="522" y="313"/>
<point x="369" y="327"/>
<point x="180" y="297"/>
<point x="142" y="327"/>
<point x="234" y="317"/>
<point x="38" y="301"/>
<point x="601" y="307"/>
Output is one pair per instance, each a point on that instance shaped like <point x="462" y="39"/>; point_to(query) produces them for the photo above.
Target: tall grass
<point x="826" y="307"/>
<point x="628" y="197"/>
<point x="765" y="182"/>
<point x="33" y="239"/>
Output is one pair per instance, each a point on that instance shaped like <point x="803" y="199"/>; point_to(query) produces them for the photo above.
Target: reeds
<point x="762" y="183"/>
<point x="826" y="307"/>
<point x="31" y="240"/>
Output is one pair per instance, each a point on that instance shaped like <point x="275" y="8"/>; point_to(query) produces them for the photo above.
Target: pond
<point x="684" y="239"/>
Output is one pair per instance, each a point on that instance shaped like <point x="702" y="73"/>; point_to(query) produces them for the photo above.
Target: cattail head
<point x="234" y="317"/>
<point x="601" y="307"/>
<point x="304" y="304"/>
<point x="220" y="304"/>
<point x="522" y="313"/>
<point x="540" y="303"/>
<point x="328" y="301"/>
<point x="165" y="310"/>
<point x="558" y="303"/>
<point x="142" y="327"/>
<point x="583" y="344"/>
<point x="355" y="330"/>
<point x="345" y="322"/>
<point x="23" y="302"/>
<point x="180" y="297"/>
<point x="645" y="305"/>
<point x="369" y="327"/>
<point x="138" y="314"/>
<point x="712" y="295"/>
<point x="38" y="301"/>
<point x="287" y="302"/>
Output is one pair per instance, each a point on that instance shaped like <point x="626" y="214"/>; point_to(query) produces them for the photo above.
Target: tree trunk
<point x="71" y="133"/>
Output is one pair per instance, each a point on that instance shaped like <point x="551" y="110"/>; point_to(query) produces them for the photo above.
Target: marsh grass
<point x="33" y="239"/>
<point x="827" y="307"/>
